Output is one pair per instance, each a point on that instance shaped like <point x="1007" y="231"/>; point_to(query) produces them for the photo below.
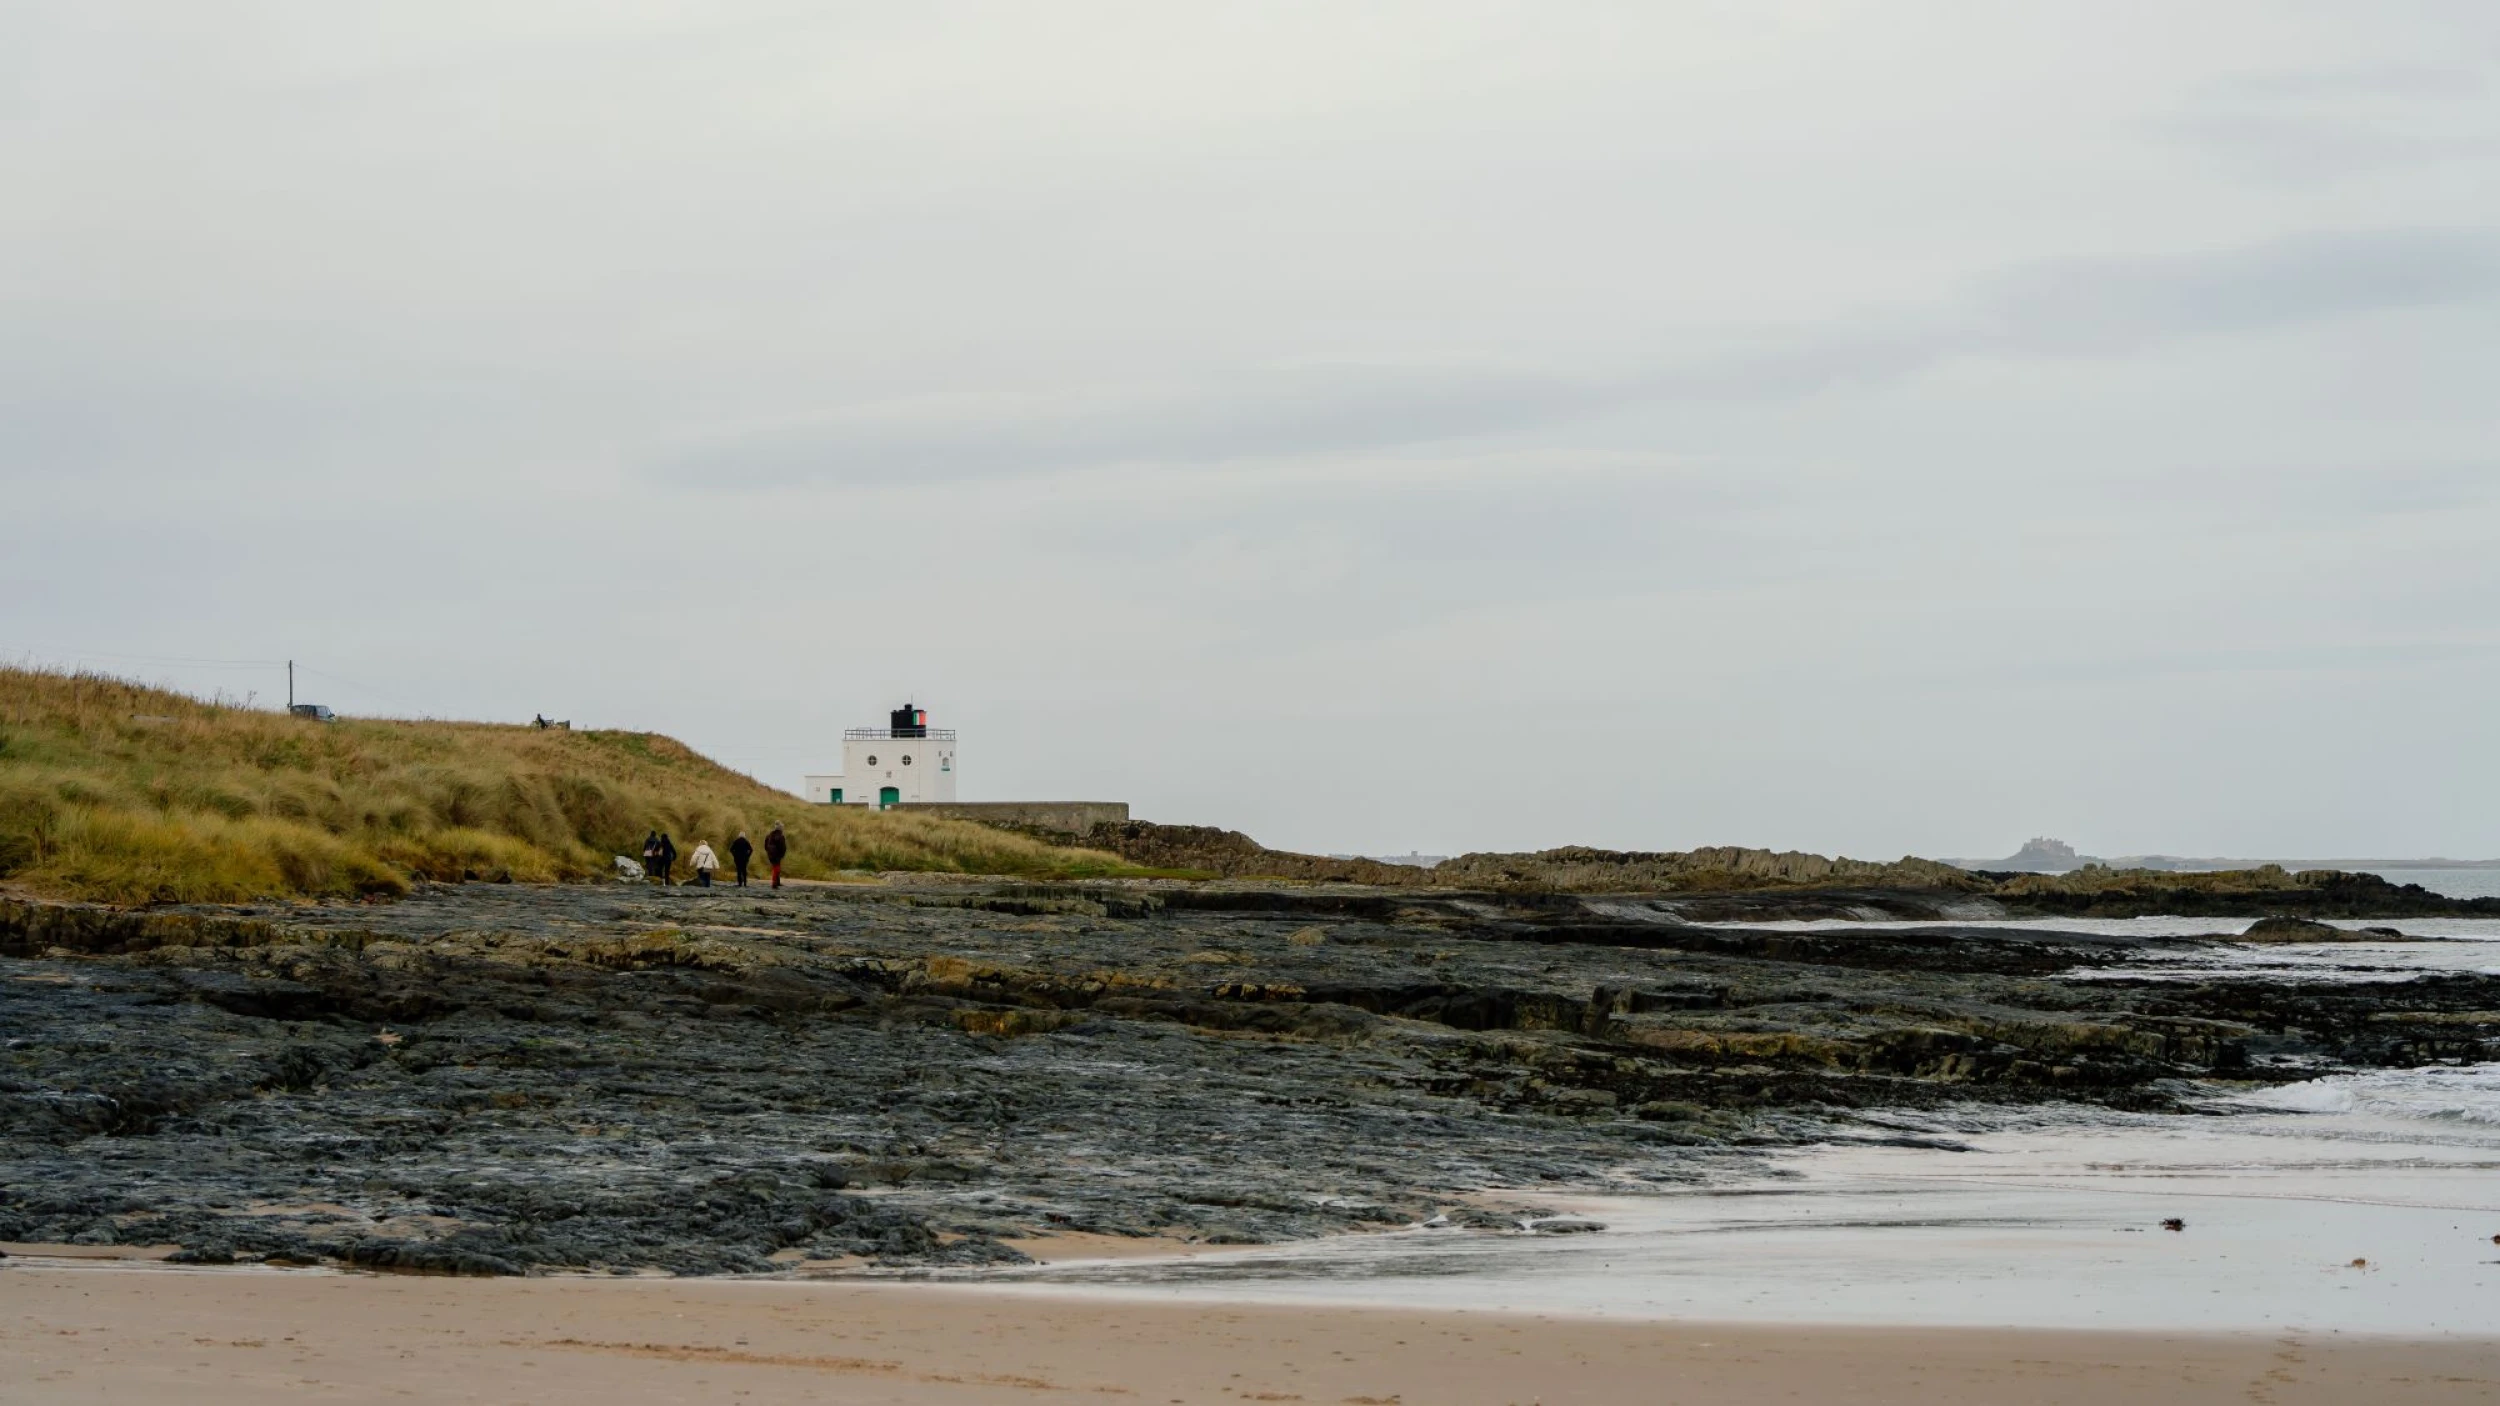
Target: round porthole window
<point x="907" y="759"/>
<point x="872" y="759"/>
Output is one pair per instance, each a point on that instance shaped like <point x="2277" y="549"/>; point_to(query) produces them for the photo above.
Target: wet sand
<point x="100" y="1333"/>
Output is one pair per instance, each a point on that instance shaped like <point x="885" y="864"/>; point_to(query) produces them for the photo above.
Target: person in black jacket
<point x="741" y="850"/>
<point x="668" y="858"/>
<point x="651" y="855"/>
<point x="775" y="848"/>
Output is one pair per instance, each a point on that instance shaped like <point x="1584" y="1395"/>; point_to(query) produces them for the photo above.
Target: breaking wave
<point x="2438" y="1094"/>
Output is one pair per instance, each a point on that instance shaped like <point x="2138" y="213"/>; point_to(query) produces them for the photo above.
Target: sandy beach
<point x="116" y="1333"/>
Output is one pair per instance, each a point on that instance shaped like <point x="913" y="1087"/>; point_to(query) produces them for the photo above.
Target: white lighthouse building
<point x="905" y="761"/>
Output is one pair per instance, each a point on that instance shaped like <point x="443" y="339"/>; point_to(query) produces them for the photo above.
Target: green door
<point x="889" y="797"/>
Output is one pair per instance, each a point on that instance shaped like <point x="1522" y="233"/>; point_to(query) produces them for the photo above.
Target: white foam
<point x="2316" y="1096"/>
<point x="2436" y="1094"/>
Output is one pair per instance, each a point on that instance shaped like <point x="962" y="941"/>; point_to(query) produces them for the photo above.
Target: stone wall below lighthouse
<point x="1067" y="817"/>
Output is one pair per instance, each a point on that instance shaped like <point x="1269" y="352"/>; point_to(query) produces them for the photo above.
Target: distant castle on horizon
<point x="2041" y="855"/>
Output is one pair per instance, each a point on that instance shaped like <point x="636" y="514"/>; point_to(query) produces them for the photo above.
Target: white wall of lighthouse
<point x="883" y="766"/>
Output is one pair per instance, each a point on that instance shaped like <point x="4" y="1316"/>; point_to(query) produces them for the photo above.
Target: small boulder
<point x="2285" y="929"/>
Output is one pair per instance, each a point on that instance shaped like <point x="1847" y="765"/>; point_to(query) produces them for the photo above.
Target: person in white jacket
<point x="704" y="863"/>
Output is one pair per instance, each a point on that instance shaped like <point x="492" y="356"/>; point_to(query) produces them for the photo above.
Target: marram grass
<point x="116" y="791"/>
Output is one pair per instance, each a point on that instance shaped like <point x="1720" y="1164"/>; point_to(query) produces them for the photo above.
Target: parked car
<point x="313" y="711"/>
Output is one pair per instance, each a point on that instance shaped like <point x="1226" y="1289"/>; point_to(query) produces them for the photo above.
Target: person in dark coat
<point x="668" y="858"/>
<point x="651" y="855"/>
<point x="775" y="847"/>
<point x="741" y="850"/>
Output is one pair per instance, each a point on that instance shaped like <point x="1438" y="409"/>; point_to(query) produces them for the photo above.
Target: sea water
<point x="2456" y="945"/>
<point x="2363" y="1202"/>
<point x="2478" y="882"/>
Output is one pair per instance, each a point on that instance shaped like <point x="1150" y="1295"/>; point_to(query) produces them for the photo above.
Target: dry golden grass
<point x="116" y="791"/>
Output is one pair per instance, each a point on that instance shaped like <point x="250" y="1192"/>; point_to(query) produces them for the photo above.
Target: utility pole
<point x="290" y="687"/>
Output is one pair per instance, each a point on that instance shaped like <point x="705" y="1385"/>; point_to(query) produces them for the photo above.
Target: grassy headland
<point x="116" y="791"/>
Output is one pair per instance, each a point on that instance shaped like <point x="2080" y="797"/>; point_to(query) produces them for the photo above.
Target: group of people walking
<point x="659" y="857"/>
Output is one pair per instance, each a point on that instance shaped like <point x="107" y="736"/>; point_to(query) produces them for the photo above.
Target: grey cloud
<point x="2111" y="306"/>
<point x="2075" y="307"/>
<point x="2301" y="127"/>
<point x="2062" y="308"/>
<point x="2106" y="305"/>
<point x="2313" y="495"/>
<point x="2299" y="148"/>
<point x="1266" y="414"/>
<point x="2401" y="81"/>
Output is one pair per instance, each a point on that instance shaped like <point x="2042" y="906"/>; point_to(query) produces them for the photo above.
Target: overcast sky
<point x="1865" y="428"/>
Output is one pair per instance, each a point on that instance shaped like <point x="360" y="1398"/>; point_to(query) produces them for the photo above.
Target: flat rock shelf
<point x="908" y="1075"/>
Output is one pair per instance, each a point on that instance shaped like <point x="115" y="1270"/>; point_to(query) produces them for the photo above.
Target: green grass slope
<point x="115" y="791"/>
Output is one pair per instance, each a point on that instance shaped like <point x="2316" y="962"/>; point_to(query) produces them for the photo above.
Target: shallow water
<point x="2046" y="1220"/>
<point x="2163" y="925"/>
<point x="2365" y="1202"/>
<point x="2465" y="945"/>
<point x="2308" y="962"/>
<point x="2455" y="883"/>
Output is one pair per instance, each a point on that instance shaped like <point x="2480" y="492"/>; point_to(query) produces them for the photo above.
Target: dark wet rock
<point x="2287" y="929"/>
<point x="2313" y="894"/>
<point x="30" y="929"/>
<point x="1206" y="849"/>
<point x="1710" y="884"/>
<point x="508" y="1079"/>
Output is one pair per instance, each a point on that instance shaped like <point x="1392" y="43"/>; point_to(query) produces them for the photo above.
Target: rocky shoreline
<point x="912" y="1072"/>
